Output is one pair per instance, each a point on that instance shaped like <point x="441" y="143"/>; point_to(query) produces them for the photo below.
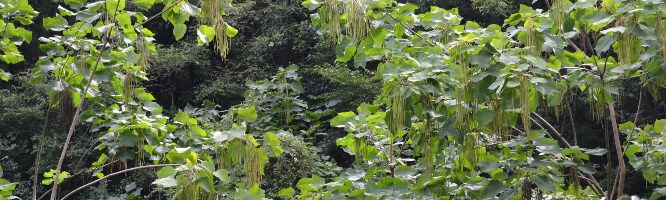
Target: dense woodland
<point x="332" y="99"/>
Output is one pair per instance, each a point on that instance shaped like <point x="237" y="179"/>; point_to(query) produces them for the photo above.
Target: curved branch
<point x="77" y="174"/>
<point x="590" y="179"/>
<point x="114" y="174"/>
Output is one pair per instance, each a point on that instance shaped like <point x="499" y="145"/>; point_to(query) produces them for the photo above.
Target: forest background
<point x="278" y="43"/>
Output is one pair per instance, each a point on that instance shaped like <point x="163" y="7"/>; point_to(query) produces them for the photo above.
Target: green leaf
<point x="57" y="23"/>
<point x="166" y="172"/>
<point x="100" y="161"/>
<point x="231" y="31"/>
<point x="342" y="118"/>
<point x="223" y="175"/>
<point x="311" y="4"/>
<point x="124" y="19"/>
<point x="543" y="183"/>
<point x="144" y="4"/>
<point x="179" y="31"/>
<point x="142" y="95"/>
<point x="493" y="188"/>
<point x="75" y="2"/>
<point x="248" y="114"/>
<point x="236" y="132"/>
<point x="604" y="44"/>
<point x="206" y="34"/>
<point x="198" y="130"/>
<point x="206" y="183"/>
<point x="114" y="6"/>
<point x="287" y="193"/>
<point x="658" y="192"/>
<point x="152" y="107"/>
<point x="348" y="54"/>
<point x="4" y="75"/>
<point x="219" y="136"/>
<point x="166" y="182"/>
<point x="273" y="143"/>
<point x="484" y="116"/>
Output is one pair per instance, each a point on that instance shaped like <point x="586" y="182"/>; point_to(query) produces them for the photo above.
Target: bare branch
<point x="114" y="174"/>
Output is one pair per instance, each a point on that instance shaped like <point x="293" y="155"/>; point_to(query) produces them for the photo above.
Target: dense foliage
<point x="332" y="99"/>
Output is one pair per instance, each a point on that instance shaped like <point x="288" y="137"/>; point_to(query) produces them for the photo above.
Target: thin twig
<point x="72" y="126"/>
<point x="592" y="181"/>
<point x="573" y="45"/>
<point x="77" y="174"/>
<point x="410" y="30"/>
<point x="114" y="174"/>
<point x="158" y="14"/>
<point x="638" y="110"/>
<point x="39" y="152"/>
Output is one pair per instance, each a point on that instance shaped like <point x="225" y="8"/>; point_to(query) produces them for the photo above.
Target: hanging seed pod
<point x="426" y="151"/>
<point x="628" y="46"/>
<point x="609" y="6"/>
<point x="470" y="149"/>
<point x="525" y="103"/>
<point x="66" y="104"/>
<point x="597" y="106"/>
<point x="221" y="39"/>
<point x="358" y="22"/>
<point x="464" y="115"/>
<point x="359" y="151"/>
<point x="655" y="90"/>
<point x="329" y="15"/>
<point x="559" y="14"/>
<point x="444" y="26"/>
<point x="139" y="151"/>
<point x="128" y="87"/>
<point x="191" y="190"/>
<point x="397" y="111"/>
<point x="142" y="49"/>
<point x="211" y="12"/>
<point x="252" y="167"/>
<point x="661" y="38"/>
<point x="499" y="126"/>
<point x="532" y="39"/>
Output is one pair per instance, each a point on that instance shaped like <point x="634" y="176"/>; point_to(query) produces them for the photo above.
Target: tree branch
<point x="590" y="179"/>
<point x="114" y="174"/>
<point x="158" y="14"/>
<point x="72" y="127"/>
<point x="410" y="30"/>
<point x="77" y="174"/>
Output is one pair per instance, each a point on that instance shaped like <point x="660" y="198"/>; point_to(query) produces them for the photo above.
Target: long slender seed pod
<point x="329" y="16"/>
<point x="559" y="13"/>
<point x="358" y="22"/>
<point x="525" y="103"/>
<point x="211" y="11"/>
<point x="252" y="167"/>
<point x="499" y="126"/>
<point x="656" y="83"/>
